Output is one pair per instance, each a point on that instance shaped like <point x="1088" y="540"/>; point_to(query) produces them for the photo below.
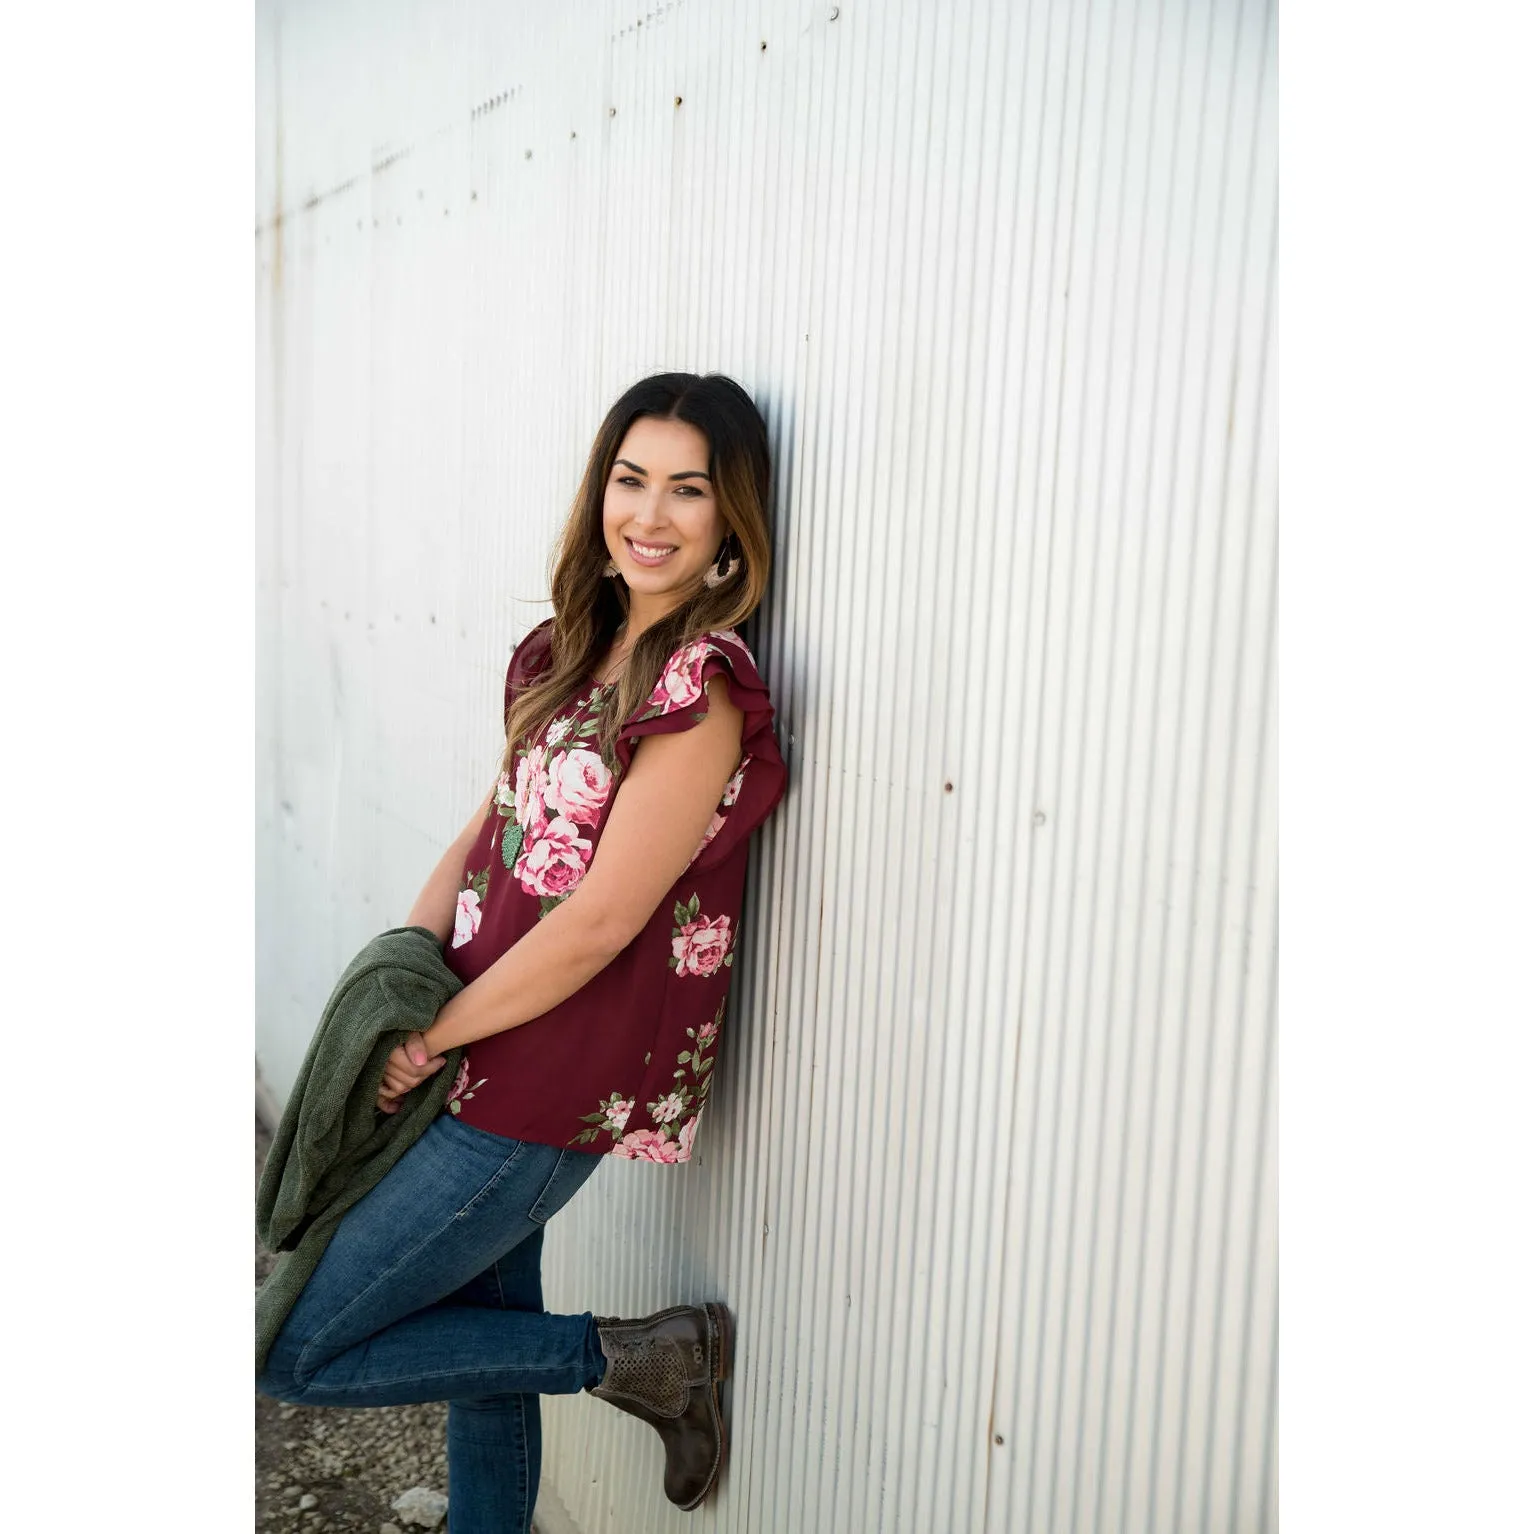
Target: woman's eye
<point x="690" y="490"/>
<point x="627" y="479"/>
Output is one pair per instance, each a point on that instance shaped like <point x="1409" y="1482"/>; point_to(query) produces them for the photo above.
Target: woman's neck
<point x="640" y="616"/>
<point x="644" y="611"/>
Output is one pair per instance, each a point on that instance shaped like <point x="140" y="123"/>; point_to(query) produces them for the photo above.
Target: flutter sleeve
<point x="680" y="700"/>
<point x="528" y="661"/>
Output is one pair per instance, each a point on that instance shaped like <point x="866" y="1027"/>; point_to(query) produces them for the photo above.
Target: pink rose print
<point x="553" y="864"/>
<point x="733" y="787"/>
<point x="504" y="797"/>
<point x="699" y="947"/>
<point x="460" y="1089"/>
<point x="684" y="1140"/>
<point x="646" y="1145"/>
<point x="681" y="682"/>
<point x="671" y="1106"/>
<point x="466" y="921"/>
<point x="729" y="636"/>
<point x="612" y="1115"/>
<point x="578" y="785"/>
<point x="532" y="786"/>
<point x="708" y="1033"/>
<point x="715" y="826"/>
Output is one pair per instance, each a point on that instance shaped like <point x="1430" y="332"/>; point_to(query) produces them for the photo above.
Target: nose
<point x="648" y="513"/>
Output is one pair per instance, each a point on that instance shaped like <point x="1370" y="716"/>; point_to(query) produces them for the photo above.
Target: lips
<point x="649" y="555"/>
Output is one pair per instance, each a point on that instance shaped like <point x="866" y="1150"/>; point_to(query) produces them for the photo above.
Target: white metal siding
<point x="989" y="1175"/>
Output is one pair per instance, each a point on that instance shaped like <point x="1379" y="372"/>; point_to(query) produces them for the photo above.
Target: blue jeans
<point x="430" y="1290"/>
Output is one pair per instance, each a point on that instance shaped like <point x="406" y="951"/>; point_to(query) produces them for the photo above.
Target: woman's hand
<point x="407" y="1067"/>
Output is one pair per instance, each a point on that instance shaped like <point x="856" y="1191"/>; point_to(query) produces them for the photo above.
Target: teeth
<point x="652" y="552"/>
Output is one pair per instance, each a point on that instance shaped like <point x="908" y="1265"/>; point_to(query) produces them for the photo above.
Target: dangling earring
<point x="610" y="568"/>
<point x="723" y="568"/>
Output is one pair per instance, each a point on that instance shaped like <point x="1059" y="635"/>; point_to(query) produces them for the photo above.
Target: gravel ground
<point x="352" y="1463"/>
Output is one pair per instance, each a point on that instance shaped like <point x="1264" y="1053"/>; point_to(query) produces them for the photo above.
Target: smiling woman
<point x="590" y="911"/>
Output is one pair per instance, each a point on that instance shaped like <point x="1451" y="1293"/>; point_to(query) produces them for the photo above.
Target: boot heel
<point x="724" y="1330"/>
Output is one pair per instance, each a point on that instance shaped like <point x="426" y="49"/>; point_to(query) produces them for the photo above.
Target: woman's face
<point x="660" y="520"/>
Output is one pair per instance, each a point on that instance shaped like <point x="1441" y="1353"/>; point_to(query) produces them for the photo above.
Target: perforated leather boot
<point x="666" y="1370"/>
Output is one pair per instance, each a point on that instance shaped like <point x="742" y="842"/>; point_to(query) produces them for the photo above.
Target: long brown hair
<point x="589" y="606"/>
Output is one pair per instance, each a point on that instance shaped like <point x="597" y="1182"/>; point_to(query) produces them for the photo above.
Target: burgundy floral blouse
<point x="623" y="1066"/>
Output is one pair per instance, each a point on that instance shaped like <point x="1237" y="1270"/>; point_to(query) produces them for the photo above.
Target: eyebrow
<point x="685" y="474"/>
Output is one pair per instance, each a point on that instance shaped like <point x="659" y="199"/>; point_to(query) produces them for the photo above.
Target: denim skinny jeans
<point x="430" y="1290"/>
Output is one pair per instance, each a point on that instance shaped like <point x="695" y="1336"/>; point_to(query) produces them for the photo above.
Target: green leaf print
<point x="479" y="883"/>
<point x="511" y="844"/>
<point x="678" y="916"/>
<point x="546" y="903"/>
<point x="692" y="908"/>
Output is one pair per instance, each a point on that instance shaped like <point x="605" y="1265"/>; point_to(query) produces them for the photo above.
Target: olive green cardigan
<point x="333" y="1144"/>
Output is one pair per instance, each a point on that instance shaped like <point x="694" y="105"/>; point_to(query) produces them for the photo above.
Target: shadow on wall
<point x="268" y="1111"/>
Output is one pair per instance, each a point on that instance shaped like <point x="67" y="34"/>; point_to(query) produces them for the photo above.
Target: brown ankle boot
<point x="665" y="1370"/>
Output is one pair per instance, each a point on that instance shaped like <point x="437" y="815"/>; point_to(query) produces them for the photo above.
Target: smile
<point x="650" y="553"/>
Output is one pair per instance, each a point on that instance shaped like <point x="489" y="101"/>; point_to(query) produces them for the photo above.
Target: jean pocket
<point x="569" y="1172"/>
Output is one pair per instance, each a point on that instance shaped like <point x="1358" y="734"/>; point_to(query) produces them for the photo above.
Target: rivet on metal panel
<point x="677" y="102"/>
<point x="998" y="1438"/>
<point x="473" y="196"/>
<point x="572" y="133"/>
<point x="1038" y="817"/>
<point x="612" y="111"/>
<point x="836" y="11"/>
<point x="527" y="154"/>
<point x="764" y="45"/>
<point x="948" y="788"/>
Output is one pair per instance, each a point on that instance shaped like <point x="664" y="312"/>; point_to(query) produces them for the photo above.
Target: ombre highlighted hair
<point x="589" y="606"/>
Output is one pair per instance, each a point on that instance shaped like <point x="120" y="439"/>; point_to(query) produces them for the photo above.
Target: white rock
<point x="420" y="1505"/>
<point x="307" y="1501"/>
<point x="390" y="1528"/>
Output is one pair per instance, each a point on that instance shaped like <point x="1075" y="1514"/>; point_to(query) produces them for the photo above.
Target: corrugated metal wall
<point x="989" y="1177"/>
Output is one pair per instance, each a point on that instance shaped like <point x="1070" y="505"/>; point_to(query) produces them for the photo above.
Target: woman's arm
<point x="435" y="906"/>
<point x="659" y="814"/>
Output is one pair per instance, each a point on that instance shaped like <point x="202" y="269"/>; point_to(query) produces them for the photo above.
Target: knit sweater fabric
<point x="333" y="1144"/>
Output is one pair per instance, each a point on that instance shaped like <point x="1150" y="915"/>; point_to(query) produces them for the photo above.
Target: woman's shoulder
<point x="530" y="657"/>
<point x="680" y="699"/>
<point x="685" y="676"/>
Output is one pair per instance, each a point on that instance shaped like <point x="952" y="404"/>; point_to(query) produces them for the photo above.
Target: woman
<point x="591" y="907"/>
